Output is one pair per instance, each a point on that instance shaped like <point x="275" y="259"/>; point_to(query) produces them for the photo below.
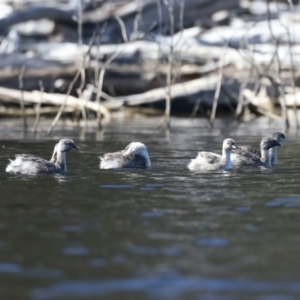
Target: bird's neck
<point x="148" y="162"/>
<point x="145" y="155"/>
<point x="226" y="157"/>
<point x="273" y="154"/>
<point x="147" y="158"/>
<point x="61" y="160"/>
<point x="265" y="157"/>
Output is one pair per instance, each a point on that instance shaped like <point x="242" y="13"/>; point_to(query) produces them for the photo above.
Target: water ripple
<point x="159" y="286"/>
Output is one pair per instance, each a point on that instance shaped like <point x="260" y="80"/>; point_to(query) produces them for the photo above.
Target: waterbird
<point x="244" y="157"/>
<point x="206" y="161"/>
<point x="31" y="164"/>
<point x="278" y="136"/>
<point x="135" y="155"/>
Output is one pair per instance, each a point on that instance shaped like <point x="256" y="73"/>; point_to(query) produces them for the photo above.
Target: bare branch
<point x="100" y="85"/>
<point x="218" y="87"/>
<point x="123" y="29"/>
<point x="71" y="86"/>
<point x="21" y="87"/>
<point x="38" y="108"/>
<point x="278" y="70"/>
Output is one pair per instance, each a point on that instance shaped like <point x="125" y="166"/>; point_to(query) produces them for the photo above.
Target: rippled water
<point x="163" y="233"/>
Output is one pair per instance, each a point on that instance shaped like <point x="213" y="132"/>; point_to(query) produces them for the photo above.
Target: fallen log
<point x="150" y="12"/>
<point x="136" y="69"/>
<point x="11" y="64"/>
<point x="31" y="112"/>
<point x="36" y="13"/>
<point x="34" y="97"/>
<point x="190" y="89"/>
<point x="153" y="15"/>
<point x="36" y="68"/>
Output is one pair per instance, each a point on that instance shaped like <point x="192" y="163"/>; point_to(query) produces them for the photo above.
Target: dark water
<point x="162" y="233"/>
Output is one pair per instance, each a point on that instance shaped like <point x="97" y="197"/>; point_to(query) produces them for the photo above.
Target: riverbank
<point x="12" y="128"/>
<point x="177" y="57"/>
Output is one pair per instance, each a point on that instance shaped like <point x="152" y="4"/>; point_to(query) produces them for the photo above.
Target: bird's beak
<point x="278" y="144"/>
<point x="286" y="139"/>
<point x="233" y="147"/>
<point x="76" y="147"/>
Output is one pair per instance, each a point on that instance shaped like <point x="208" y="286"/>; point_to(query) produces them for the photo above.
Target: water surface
<point x="164" y="233"/>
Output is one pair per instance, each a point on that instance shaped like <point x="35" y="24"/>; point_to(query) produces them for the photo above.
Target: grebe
<point x="31" y="164"/>
<point x="278" y="136"/>
<point x="212" y="161"/>
<point x="135" y="155"/>
<point x="243" y="157"/>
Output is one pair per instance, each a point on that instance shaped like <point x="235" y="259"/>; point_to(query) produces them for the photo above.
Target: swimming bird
<point x="243" y="157"/>
<point x="278" y="136"/>
<point x="31" y="164"/>
<point x="135" y="155"/>
<point x="206" y="161"/>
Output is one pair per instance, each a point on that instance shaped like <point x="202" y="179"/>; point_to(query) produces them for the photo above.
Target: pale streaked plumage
<point x="135" y="155"/>
<point x="31" y="164"/>
<point x="243" y="157"/>
<point x="278" y="136"/>
<point x="206" y="161"/>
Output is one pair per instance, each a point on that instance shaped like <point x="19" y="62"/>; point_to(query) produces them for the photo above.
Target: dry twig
<point x="38" y="109"/>
<point x="100" y="85"/>
<point x="167" y="117"/>
<point x="71" y="86"/>
<point x="278" y="71"/>
<point x="21" y="87"/>
<point x="218" y="87"/>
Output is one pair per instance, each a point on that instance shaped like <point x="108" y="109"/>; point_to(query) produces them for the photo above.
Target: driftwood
<point x="31" y="112"/>
<point x="135" y="69"/>
<point x="190" y="91"/>
<point x="148" y="51"/>
<point x="36" y="13"/>
<point x="143" y="16"/>
<point x="13" y="96"/>
<point x="265" y="101"/>
<point x="37" y="69"/>
<point x="187" y="90"/>
<point x="11" y="64"/>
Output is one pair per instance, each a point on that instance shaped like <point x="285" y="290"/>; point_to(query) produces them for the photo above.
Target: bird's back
<point x="30" y="164"/>
<point x="243" y="150"/>
<point x="243" y="157"/>
<point x="118" y="160"/>
<point x="206" y="161"/>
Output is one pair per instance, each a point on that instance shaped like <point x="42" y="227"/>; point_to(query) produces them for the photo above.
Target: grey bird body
<point x="243" y="157"/>
<point x="135" y="155"/>
<point x="209" y="161"/>
<point x="247" y="150"/>
<point x="31" y="164"/>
